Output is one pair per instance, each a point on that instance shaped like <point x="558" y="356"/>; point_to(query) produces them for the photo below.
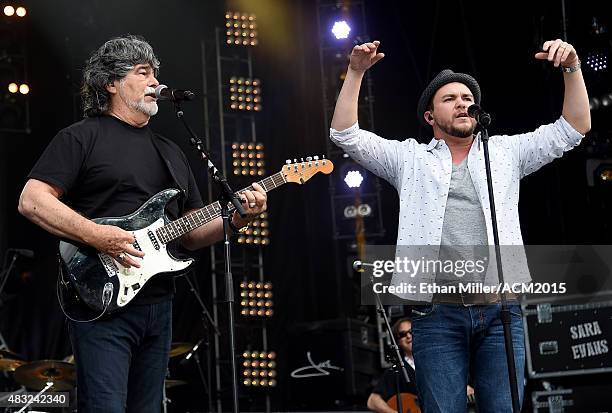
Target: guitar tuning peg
<point x="316" y="158"/>
<point x="309" y="158"/>
<point x="301" y="159"/>
<point x="288" y="161"/>
<point x="295" y="160"/>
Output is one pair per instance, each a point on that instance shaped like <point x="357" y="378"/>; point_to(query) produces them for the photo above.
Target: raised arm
<point x="363" y="57"/>
<point x="576" y="109"/>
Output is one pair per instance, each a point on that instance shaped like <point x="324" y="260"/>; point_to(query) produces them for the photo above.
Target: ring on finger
<point x="121" y="256"/>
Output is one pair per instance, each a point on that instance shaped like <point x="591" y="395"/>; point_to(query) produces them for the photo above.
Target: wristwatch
<point x="237" y="230"/>
<point x="571" y="69"/>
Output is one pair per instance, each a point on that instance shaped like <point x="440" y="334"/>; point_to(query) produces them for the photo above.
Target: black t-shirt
<point x="107" y="167"/>
<point x="386" y="385"/>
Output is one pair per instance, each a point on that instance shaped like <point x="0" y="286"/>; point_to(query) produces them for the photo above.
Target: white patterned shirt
<point x="421" y="174"/>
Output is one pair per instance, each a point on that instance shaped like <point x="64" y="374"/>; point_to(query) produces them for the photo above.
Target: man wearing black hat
<point x="444" y="202"/>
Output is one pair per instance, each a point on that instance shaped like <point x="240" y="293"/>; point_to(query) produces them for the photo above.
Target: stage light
<point x="24" y="89"/>
<point x="605" y="174"/>
<point x="603" y="102"/>
<point x="21" y="11"/>
<point x="248" y="159"/>
<point x="13" y="88"/>
<point x="240" y="29"/>
<point x="261" y="373"/>
<point x="597" y="61"/>
<point x="256" y="299"/>
<point x="353" y="179"/>
<point x="257" y="233"/>
<point x="599" y="172"/>
<point x="9" y="11"/>
<point x="361" y="210"/>
<point x="341" y="29"/>
<point x="245" y="94"/>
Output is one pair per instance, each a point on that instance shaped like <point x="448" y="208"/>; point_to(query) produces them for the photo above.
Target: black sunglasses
<point x="402" y="334"/>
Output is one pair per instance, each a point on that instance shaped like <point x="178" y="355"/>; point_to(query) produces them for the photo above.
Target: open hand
<point x="364" y="56"/>
<point x="562" y="53"/>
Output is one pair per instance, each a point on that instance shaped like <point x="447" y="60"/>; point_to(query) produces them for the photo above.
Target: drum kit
<point x="61" y="374"/>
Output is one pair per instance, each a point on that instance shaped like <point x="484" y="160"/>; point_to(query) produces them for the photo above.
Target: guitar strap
<point x="162" y="152"/>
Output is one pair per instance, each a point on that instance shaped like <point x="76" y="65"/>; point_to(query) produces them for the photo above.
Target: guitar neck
<point x="188" y="223"/>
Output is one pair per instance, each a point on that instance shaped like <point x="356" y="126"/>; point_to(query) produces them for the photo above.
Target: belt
<point x="472" y="298"/>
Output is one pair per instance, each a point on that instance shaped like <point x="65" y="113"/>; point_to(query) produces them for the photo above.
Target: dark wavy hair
<point x="112" y="61"/>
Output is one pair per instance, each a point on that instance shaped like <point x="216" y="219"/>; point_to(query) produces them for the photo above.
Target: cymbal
<point x="36" y="374"/>
<point x="176" y="349"/>
<point x="10" y="364"/>
<point x="173" y="383"/>
<point x="5" y="354"/>
<point x="9" y="361"/>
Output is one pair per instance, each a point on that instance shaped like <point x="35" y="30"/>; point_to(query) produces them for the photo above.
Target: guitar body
<point x="409" y="403"/>
<point x="104" y="285"/>
<point x="97" y="278"/>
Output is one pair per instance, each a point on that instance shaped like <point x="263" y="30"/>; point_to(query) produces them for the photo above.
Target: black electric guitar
<point x="104" y="285"/>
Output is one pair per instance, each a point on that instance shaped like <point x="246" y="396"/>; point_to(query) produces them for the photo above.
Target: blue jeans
<point x="122" y="359"/>
<point x="452" y="341"/>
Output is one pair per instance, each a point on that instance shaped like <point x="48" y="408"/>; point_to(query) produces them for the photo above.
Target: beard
<point x="148" y="108"/>
<point x="459" y="132"/>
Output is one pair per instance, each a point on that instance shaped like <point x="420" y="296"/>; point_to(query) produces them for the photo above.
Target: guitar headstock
<point x="301" y="171"/>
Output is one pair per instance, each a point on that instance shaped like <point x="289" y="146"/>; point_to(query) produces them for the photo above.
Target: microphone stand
<point x="398" y="360"/>
<point x="4" y="275"/>
<point x="506" y="318"/>
<point x="205" y="317"/>
<point x="226" y="197"/>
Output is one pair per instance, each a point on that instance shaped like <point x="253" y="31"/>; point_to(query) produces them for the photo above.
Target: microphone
<point x="22" y="252"/>
<point x="163" y="92"/>
<point x="482" y="117"/>
<point x="359" y="266"/>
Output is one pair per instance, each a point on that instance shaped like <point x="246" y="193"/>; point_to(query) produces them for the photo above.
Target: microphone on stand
<point x="163" y="92"/>
<point x="482" y="117"/>
<point x="359" y="266"/>
<point x="23" y="252"/>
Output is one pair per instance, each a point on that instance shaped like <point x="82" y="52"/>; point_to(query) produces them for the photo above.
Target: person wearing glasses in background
<point x="385" y="392"/>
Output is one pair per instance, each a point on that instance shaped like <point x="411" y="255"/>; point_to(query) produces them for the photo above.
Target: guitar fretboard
<point x="202" y="216"/>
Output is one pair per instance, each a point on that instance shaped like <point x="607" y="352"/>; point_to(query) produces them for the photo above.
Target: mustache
<point x="149" y="91"/>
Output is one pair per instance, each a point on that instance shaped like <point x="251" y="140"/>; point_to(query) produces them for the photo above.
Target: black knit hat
<point x="444" y="77"/>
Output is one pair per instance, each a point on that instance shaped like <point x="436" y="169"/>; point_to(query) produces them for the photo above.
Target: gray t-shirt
<point x="464" y="227"/>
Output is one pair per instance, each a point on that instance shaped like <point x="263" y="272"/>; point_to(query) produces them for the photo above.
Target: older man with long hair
<point x="109" y="164"/>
